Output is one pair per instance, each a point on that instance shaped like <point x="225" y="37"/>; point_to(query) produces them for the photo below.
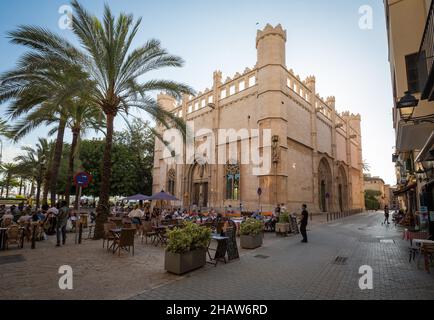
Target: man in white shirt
<point x="135" y="216"/>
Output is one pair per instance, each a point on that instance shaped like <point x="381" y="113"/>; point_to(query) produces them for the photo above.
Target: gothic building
<point x="316" y="152"/>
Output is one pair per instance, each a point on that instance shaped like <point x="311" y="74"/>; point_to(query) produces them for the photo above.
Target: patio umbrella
<point x="163" y="196"/>
<point x="137" y="197"/>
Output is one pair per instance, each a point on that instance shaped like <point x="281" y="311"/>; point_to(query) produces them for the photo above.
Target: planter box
<point x="180" y="263"/>
<point x="251" y="242"/>
<point x="282" y="228"/>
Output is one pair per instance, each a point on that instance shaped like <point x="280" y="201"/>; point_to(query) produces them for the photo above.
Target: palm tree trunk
<point x="38" y="192"/>
<point x="32" y="188"/>
<point x="103" y="205"/>
<point x="46" y="185"/>
<point x="54" y="172"/>
<point x="8" y="181"/>
<point x="21" y="186"/>
<point x="1" y="192"/>
<point x="75" y="136"/>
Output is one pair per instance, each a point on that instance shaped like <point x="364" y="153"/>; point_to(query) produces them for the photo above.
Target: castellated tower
<point x="272" y="114"/>
<point x="167" y="102"/>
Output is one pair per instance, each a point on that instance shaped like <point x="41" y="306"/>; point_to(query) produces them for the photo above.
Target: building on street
<point x="410" y="26"/>
<point x="316" y="151"/>
<point x="377" y="184"/>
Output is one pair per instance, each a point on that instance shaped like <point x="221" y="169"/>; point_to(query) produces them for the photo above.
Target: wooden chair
<point x="148" y="232"/>
<point x="427" y="251"/>
<point x="13" y="236"/>
<point x="7" y="222"/>
<point x="117" y="221"/>
<point x="125" y="241"/>
<point x="108" y="235"/>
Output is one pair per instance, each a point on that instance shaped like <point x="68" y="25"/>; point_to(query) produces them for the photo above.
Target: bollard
<point x="33" y="236"/>
<point x="327" y="217"/>
<point x="80" y="232"/>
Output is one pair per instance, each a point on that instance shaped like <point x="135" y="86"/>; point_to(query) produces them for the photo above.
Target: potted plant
<point x="186" y="248"/>
<point x="251" y="234"/>
<point x="283" y="226"/>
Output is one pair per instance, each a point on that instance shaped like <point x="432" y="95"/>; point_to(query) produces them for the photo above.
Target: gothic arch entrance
<point x="342" y="185"/>
<point x="198" y="183"/>
<point x="325" y="185"/>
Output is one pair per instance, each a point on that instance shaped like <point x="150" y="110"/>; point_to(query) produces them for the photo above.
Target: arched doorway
<point x="325" y="185"/>
<point x="342" y="185"/>
<point x="198" y="185"/>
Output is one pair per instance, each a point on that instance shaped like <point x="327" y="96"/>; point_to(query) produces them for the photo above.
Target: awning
<point x="412" y="136"/>
<point x="405" y="189"/>
<point x="424" y="154"/>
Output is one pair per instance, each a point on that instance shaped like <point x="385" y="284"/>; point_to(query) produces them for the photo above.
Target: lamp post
<point x="406" y="106"/>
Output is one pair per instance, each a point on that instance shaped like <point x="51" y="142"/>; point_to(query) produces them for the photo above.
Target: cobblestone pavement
<point x="293" y="270"/>
<point x="97" y="274"/>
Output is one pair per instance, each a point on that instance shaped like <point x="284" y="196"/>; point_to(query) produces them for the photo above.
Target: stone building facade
<point x="377" y="184"/>
<point x="316" y="152"/>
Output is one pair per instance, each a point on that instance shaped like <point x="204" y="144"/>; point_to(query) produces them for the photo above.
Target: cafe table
<point x="419" y="243"/>
<point x="161" y="231"/>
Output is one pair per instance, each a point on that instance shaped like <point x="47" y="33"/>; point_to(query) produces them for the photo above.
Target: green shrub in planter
<point x="282" y="227"/>
<point x="188" y="238"/>
<point x="251" y="234"/>
<point x="186" y="248"/>
<point x="284" y="218"/>
<point x="251" y="227"/>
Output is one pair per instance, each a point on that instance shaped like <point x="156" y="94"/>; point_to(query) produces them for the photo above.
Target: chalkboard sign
<point x="221" y="250"/>
<point x="294" y="225"/>
<point x="232" y="248"/>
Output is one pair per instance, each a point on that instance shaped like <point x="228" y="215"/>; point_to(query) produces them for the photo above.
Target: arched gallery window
<point x="171" y="181"/>
<point x="232" y="182"/>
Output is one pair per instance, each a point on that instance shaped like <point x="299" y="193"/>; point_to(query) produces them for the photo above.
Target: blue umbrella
<point x="163" y="196"/>
<point x="137" y="197"/>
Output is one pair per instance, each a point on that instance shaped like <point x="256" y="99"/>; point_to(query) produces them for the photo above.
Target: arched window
<point x="232" y="182"/>
<point x="171" y="181"/>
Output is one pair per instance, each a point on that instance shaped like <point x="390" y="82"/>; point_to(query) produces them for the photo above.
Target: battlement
<point x="270" y="30"/>
<point x="351" y="116"/>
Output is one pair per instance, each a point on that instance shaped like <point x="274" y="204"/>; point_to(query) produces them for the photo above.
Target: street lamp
<point x="406" y="106"/>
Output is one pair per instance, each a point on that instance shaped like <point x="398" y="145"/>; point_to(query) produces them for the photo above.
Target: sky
<point x="324" y="39"/>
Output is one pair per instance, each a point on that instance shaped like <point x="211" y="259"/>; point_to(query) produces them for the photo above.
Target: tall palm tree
<point x="83" y="115"/>
<point x="9" y="171"/>
<point x="35" y="163"/>
<point x="4" y="128"/>
<point x="116" y="70"/>
<point x="42" y="94"/>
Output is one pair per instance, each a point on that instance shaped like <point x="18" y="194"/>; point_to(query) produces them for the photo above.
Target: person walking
<point x="62" y="219"/>
<point x="386" y="214"/>
<point x="303" y="223"/>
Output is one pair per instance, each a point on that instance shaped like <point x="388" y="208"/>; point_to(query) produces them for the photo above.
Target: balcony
<point x="426" y="58"/>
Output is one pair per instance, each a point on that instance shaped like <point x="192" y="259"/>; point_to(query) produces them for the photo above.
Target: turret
<point x="166" y="101"/>
<point x="270" y="46"/>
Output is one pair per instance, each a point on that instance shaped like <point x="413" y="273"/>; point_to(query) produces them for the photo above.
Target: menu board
<point x="293" y="225"/>
<point x="232" y="248"/>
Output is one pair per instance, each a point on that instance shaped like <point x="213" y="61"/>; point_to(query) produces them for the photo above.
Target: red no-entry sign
<point x="82" y="179"/>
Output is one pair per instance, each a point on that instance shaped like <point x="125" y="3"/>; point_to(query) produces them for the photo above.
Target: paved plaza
<point x="288" y="269"/>
<point x="283" y="268"/>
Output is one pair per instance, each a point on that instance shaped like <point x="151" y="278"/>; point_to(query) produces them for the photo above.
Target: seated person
<point x="25" y="218"/>
<point x="168" y="216"/>
<point x="7" y="218"/>
<point x="92" y="217"/>
<point x="135" y="215"/>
